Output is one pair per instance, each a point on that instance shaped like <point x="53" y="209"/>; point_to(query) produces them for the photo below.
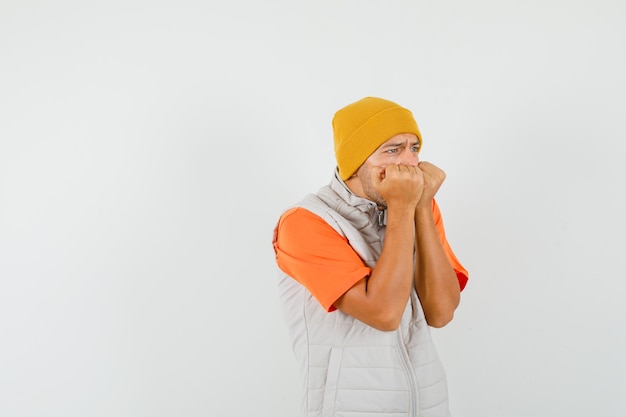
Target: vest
<point x="347" y="368"/>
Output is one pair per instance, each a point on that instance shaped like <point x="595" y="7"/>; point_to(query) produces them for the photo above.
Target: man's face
<point x="401" y="149"/>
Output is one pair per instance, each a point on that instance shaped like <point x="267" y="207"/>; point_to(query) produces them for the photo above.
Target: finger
<point x="425" y="166"/>
<point x="391" y="169"/>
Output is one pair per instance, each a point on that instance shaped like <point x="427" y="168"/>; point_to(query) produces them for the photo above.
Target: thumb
<point x="377" y="175"/>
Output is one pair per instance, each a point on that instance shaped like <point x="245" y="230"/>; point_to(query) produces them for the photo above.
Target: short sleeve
<point x="310" y="251"/>
<point x="461" y="273"/>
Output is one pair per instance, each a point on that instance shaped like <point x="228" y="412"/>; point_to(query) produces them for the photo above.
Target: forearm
<point x="380" y="299"/>
<point x="435" y="280"/>
<point x="390" y="282"/>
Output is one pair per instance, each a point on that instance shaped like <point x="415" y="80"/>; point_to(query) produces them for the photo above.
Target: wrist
<point x="400" y="212"/>
<point x="423" y="211"/>
<point x="424" y="204"/>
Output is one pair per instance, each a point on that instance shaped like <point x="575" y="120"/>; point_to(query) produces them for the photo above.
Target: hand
<point x="400" y="185"/>
<point x="433" y="178"/>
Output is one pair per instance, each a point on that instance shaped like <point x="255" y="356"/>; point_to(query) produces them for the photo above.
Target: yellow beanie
<point x="361" y="127"/>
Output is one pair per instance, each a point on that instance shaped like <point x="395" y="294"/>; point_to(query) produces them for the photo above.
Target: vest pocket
<point x="332" y="381"/>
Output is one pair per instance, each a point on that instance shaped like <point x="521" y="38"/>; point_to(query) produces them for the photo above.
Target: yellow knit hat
<point x="361" y="127"/>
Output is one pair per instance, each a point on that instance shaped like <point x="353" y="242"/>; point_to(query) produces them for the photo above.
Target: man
<point x="366" y="269"/>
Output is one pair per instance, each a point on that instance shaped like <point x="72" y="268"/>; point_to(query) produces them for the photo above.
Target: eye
<point x="392" y="150"/>
<point x="415" y="148"/>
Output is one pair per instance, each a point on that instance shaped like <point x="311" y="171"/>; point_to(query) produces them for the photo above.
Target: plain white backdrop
<point x="148" y="147"/>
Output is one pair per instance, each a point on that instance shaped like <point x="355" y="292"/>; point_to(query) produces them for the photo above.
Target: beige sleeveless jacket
<point x="348" y="368"/>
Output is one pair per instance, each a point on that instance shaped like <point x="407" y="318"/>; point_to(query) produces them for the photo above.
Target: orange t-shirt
<point x="309" y="250"/>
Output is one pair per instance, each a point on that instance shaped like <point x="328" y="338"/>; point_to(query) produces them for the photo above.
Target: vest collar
<point x="364" y="205"/>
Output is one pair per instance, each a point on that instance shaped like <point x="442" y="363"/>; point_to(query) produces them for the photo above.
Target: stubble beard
<point x="369" y="190"/>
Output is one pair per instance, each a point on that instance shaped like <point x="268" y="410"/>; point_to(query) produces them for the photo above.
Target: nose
<point x="409" y="158"/>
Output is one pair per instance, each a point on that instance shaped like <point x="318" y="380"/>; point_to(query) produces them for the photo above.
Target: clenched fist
<point x="433" y="178"/>
<point x="400" y="185"/>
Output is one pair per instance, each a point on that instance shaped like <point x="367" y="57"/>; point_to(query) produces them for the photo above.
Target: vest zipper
<point x="381" y="218"/>
<point x="413" y="392"/>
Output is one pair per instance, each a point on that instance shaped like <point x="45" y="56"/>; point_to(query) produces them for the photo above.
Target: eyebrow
<point x="395" y="145"/>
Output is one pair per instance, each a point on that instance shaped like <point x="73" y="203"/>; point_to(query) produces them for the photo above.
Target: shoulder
<point x="300" y="224"/>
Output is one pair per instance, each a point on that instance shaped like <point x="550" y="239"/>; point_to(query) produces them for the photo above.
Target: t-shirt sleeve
<point x="310" y="251"/>
<point x="461" y="273"/>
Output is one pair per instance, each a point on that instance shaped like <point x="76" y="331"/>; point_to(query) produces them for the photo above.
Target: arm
<point x="379" y="300"/>
<point x="435" y="280"/>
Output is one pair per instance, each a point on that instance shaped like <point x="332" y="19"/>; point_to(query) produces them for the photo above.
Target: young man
<point x="366" y="269"/>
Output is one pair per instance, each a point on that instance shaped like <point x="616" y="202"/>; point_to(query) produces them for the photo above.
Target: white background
<point x="147" y="148"/>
